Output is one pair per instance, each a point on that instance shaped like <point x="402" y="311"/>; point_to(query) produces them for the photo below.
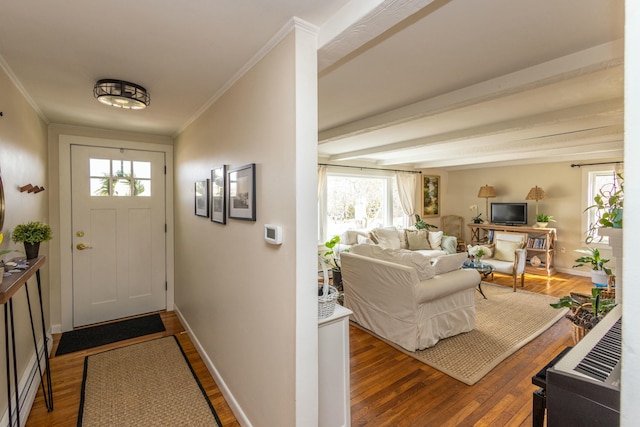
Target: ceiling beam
<point x="609" y="110"/>
<point x="358" y="23"/>
<point x="587" y="61"/>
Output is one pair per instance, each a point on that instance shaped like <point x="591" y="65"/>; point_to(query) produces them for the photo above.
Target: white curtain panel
<point x="407" y="184"/>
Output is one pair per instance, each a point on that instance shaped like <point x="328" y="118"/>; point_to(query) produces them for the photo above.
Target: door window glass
<point x="119" y="178"/>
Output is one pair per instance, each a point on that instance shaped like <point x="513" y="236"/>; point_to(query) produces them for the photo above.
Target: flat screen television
<point x="509" y="213"/>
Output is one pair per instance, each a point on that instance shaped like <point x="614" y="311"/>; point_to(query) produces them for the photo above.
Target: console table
<point x="541" y="242"/>
<point x="8" y="288"/>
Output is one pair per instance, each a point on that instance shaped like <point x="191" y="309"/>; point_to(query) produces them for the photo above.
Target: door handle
<point x="82" y="247"/>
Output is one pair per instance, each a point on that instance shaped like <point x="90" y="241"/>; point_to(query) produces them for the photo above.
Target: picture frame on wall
<point x="242" y="192"/>
<point x="202" y="197"/>
<point x="430" y="196"/>
<point x="218" y="204"/>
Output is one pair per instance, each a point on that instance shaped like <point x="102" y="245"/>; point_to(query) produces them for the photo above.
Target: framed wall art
<point x="202" y="197"/>
<point x="242" y="192"/>
<point x="219" y="194"/>
<point x="430" y="196"/>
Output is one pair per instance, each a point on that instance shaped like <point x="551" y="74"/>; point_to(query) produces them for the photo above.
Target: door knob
<point x="82" y="247"/>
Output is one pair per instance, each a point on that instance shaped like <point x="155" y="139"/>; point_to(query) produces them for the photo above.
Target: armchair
<point x="508" y="255"/>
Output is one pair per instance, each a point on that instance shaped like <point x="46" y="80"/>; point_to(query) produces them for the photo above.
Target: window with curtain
<point x="358" y="201"/>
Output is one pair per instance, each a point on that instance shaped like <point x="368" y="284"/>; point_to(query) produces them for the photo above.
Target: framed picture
<point x="430" y="195"/>
<point x="219" y="194"/>
<point x="242" y="192"/>
<point x="202" y="197"/>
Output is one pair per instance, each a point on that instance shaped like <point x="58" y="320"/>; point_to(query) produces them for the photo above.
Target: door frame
<point x="65" y="237"/>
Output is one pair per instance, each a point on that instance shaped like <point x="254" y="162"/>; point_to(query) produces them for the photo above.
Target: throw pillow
<point x="505" y="250"/>
<point x="447" y="263"/>
<point x="362" y="240"/>
<point x="435" y="240"/>
<point x="417" y="239"/>
<point x="387" y="238"/>
<point x="449" y="244"/>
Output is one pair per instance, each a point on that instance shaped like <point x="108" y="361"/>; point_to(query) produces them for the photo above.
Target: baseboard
<point x="56" y="329"/>
<point x="228" y="396"/>
<point x="28" y="385"/>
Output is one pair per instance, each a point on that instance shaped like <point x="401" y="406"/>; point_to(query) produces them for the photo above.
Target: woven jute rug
<point x="505" y="322"/>
<point x="146" y="384"/>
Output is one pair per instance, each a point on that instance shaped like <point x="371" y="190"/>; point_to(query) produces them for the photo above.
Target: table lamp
<point x="536" y="193"/>
<point x="486" y="192"/>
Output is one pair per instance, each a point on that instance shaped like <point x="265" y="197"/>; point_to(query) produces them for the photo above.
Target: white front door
<point x="119" y="238"/>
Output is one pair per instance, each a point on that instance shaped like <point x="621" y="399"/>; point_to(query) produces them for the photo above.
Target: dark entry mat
<point x="95" y="336"/>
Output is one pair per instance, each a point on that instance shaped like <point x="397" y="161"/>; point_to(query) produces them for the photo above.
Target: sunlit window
<point x="119" y="178"/>
<point x="360" y="202"/>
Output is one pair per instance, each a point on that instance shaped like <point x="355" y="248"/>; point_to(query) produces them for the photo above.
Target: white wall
<point x="250" y="305"/>
<point x="631" y="315"/>
<point x="23" y="160"/>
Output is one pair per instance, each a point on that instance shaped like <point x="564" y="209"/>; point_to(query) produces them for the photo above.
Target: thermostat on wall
<point x="273" y="234"/>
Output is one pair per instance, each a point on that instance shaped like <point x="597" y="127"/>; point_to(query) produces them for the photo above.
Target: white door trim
<point x="64" y="162"/>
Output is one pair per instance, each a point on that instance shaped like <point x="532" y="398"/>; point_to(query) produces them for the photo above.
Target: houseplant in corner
<point x="332" y="259"/>
<point x="421" y="225"/>
<point x="608" y="206"/>
<point x="599" y="272"/>
<point x="31" y="234"/>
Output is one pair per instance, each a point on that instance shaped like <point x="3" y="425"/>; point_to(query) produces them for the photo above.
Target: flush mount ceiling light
<point x="121" y="94"/>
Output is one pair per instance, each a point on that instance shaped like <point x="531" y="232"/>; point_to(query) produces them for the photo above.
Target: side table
<point x="484" y="269"/>
<point x="8" y="288"/>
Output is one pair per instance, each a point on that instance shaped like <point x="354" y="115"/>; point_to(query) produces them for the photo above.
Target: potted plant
<point x="608" y="206"/>
<point x="332" y="259"/>
<point x="476" y="218"/>
<point x="585" y="311"/>
<point x="31" y="234"/>
<point x="421" y="225"/>
<point x="542" y="220"/>
<point x="599" y="272"/>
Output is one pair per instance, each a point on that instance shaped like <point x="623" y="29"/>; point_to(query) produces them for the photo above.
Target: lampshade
<point x="121" y="94"/>
<point x="536" y="193"/>
<point x="487" y="191"/>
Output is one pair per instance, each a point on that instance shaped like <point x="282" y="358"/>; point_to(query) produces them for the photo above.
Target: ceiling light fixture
<point x="121" y="94"/>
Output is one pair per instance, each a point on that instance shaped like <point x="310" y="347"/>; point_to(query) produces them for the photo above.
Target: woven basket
<point x="326" y="302"/>
<point x="577" y="333"/>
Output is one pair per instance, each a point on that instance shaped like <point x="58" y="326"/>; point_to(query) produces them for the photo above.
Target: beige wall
<point x="237" y="293"/>
<point x="23" y="160"/>
<point x="561" y="183"/>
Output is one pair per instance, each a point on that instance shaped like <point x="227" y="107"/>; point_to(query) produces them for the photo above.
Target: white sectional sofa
<point x="405" y="298"/>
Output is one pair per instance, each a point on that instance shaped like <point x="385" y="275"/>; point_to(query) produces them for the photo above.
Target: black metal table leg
<point x="15" y="362"/>
<point x="7" y="358"/>
<point x="46" y="348"/>
<point x="46" y="391"/>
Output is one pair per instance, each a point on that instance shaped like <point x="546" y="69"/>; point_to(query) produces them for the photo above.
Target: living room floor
<point x="388" y="388"/>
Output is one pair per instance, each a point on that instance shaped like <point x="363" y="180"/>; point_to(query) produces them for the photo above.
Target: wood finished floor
<point x="388" y="388"/>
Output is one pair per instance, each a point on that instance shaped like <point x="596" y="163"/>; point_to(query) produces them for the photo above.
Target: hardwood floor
<point x="388" y="388"/>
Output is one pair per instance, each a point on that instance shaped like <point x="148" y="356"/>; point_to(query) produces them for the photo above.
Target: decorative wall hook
<point x="31" y="188"/>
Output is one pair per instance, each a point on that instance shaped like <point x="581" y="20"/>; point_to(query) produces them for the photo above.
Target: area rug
<point x="146" y="384"/>
<point x="505" y="322"/>
<point x="95" y="336"/>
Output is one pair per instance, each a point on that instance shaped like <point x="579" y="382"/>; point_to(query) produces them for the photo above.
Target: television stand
<point x="541" y="243"/>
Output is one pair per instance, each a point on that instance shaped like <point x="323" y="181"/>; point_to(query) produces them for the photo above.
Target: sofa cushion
<point x="505" y="250"/>
<point x="405" y="257"/>
<point x="364" y="240"/>
<point x="447" y="263"/>
<point x="449" y="244"/>
<point x="417" y="239"/>
<point x="386" y="237"/>
<point x="435" y="239"/>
